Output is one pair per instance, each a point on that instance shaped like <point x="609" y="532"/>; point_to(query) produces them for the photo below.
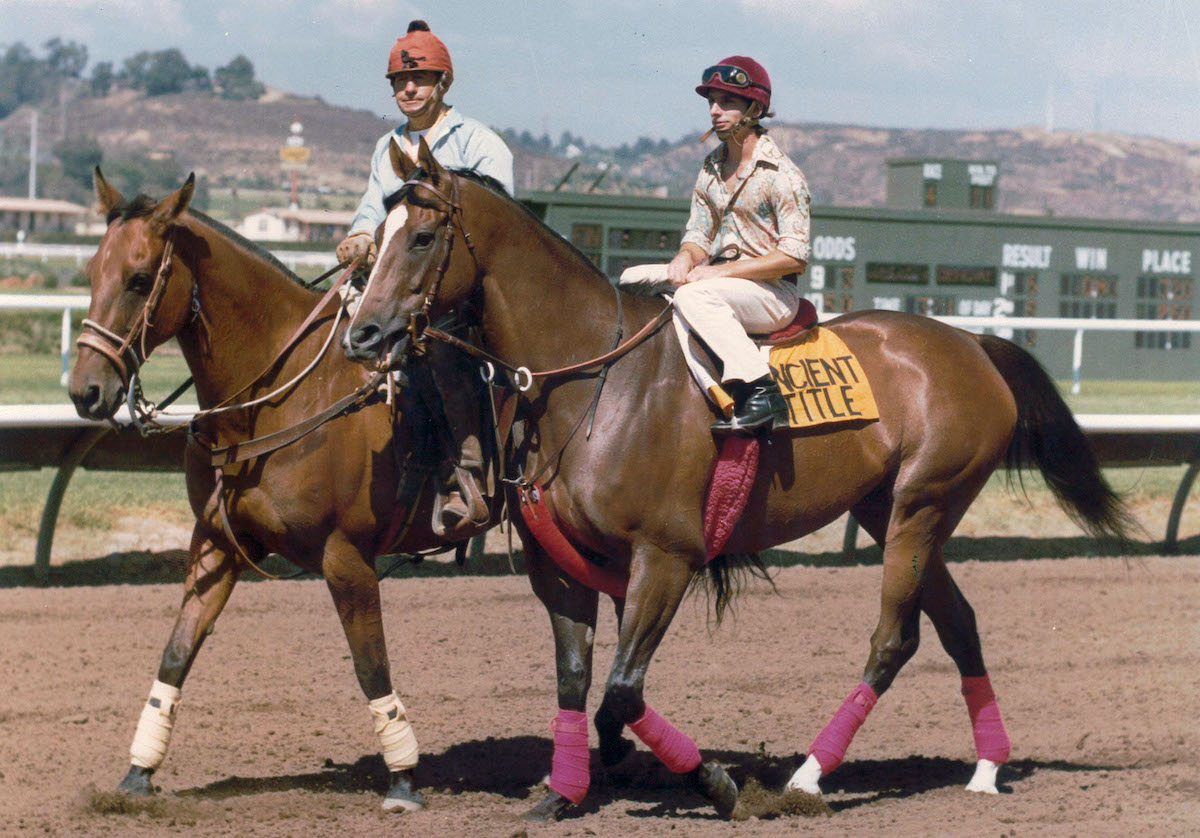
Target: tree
<point x="79" y="155"/>
<point x="102" y="79"/>
<point x="67" y="59"/>
<point x="138" y="171"/>
<point x="236" y="80"/>
<point x="23" y="78"/>
<point x="163" y="72"/>
<point x="167" y="71"/>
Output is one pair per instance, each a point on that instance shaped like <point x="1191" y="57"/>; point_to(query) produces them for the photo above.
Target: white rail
<point x="80" y="253"/>
<point x="68" y="302"/>
<point x="1071" y="324"/>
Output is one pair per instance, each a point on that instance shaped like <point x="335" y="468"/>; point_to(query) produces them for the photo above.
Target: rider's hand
<point x="357" y="245"/>
<point x="677" y="270"/>
<point x="703" y="272"/>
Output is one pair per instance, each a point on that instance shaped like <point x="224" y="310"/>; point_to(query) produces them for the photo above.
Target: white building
<point x="45" y="215"/>
<point x="296" y="225"/>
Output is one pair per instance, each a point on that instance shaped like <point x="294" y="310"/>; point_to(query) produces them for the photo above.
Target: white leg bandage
<point x="396" y="736"/>
<point x="154" y="726"/>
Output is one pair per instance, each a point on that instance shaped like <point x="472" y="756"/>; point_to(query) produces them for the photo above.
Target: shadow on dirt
<point x="146" y="568"/>
<point x="515" y="767"/>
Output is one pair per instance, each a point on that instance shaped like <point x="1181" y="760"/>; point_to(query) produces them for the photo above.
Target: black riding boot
<point x="759" y="406"/>
<point x="461" y="508"/>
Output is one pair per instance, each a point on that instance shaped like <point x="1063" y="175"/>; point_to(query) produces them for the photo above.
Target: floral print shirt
<point x="770" y="212"/>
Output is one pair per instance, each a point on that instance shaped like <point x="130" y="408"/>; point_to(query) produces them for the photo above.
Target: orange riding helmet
<point x="420" y="49"/>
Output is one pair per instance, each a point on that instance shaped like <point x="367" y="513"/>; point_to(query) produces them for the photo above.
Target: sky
<point x="612" y="71"/>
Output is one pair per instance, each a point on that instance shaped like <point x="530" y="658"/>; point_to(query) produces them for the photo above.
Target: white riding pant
<point x="720" y="312"/>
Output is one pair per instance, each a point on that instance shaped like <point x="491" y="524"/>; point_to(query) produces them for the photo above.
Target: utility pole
<point x="33" y="153"/>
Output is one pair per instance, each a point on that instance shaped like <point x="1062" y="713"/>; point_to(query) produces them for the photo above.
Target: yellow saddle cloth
<point x="822" y="381"/>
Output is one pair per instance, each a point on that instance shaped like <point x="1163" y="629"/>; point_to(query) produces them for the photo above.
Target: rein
<point x="419" y="329"/>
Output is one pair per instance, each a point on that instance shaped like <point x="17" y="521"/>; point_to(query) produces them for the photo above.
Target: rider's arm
<point x="770" y="265"/>
<point x="688" y="257"/>
<point x="370" y="212"/>
<point x="487" y="154"/>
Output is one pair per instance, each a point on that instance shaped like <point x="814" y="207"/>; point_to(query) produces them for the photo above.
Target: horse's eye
<point x="140" y="282"/>
<point x="422" y="241"/>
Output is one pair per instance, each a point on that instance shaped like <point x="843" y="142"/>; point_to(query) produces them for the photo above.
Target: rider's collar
<point x="444" y="124"/>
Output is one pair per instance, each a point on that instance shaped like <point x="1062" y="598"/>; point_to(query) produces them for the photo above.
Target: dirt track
<point x="1095" y="662"/>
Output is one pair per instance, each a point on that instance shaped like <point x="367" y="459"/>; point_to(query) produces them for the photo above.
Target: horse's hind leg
<point x="954" y="620"/>
<point x="355" y="590"/>
<point x="211" y="577"/>
<point x="914" y="537"/>
<point x="572" y="608"/>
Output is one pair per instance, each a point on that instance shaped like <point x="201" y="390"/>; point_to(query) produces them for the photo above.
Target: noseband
<point x="129" y="353"/>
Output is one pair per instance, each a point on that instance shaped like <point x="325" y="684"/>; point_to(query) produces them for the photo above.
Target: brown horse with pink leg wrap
<point x="953" y="406"/>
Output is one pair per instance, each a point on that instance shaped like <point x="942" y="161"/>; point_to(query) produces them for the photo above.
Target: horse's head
<point x="419" y="273"/>
<point x="141" y="295"/>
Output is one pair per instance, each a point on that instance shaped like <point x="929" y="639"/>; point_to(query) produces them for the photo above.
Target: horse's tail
<point x="726" y="575"/>
<point x="1048" y="437"/>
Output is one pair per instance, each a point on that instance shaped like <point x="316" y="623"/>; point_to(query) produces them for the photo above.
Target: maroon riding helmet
<point x="741" y="76"/>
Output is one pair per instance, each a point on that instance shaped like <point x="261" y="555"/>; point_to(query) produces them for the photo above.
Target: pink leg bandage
<point x="676" y="749"/>
<point x="991" y="739"/>
<point x="569" y="769"/>
<point x="831" y="743"/>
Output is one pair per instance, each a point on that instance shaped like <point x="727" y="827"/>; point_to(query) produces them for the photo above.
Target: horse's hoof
<point x="984" y="780"/>
<point x="402" y="797"/>
<point x="712" y="781"/>
<point x="551" y="808"/>
<point x="612" y="755"/>
<point x="137" y="782"/>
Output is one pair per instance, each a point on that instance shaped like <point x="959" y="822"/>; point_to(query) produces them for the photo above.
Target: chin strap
<point x="748" y="121"/>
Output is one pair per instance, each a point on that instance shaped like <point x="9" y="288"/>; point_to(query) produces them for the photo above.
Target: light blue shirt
<point x="461" y="143"/>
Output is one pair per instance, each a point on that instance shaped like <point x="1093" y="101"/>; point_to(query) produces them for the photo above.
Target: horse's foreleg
<point x="657" y="585"/>
<point x="906" y="552"/>
<point x="572" y="609"/>
<point x="355" y="590"/>
<point x="954" y="621"/>
<point x="210" y="580"/>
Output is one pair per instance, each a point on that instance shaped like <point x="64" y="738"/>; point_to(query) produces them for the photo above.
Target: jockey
<point x="746" y="243"/>
<point x="420" y="73"/>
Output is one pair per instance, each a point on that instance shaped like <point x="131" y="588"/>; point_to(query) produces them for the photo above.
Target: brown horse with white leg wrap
<point x="629" y="494"/>
<point x="324" y="496"/>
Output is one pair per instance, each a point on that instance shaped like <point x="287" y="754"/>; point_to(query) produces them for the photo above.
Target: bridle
<point x="127" y="354"/>
<point x="418" y="321"/>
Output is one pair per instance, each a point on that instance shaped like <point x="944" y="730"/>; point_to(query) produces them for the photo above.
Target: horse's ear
<point x="172" y="206"/>
<point x="106" y="193"/>
<point x="401" y="164"/>
<point x="428" y="163"/>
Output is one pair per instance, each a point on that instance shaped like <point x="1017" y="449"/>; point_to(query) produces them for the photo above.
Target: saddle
<point x="805" y="319"/>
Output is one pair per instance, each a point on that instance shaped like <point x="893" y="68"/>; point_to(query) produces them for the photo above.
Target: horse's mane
<point x="142" y="205"/>
<point x="498" y="188"/>
<point x="492" y="185"/>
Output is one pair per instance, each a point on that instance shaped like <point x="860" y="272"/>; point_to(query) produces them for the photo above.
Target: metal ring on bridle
<point x="528" y="378"/>
<point x="487" y="372"/>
